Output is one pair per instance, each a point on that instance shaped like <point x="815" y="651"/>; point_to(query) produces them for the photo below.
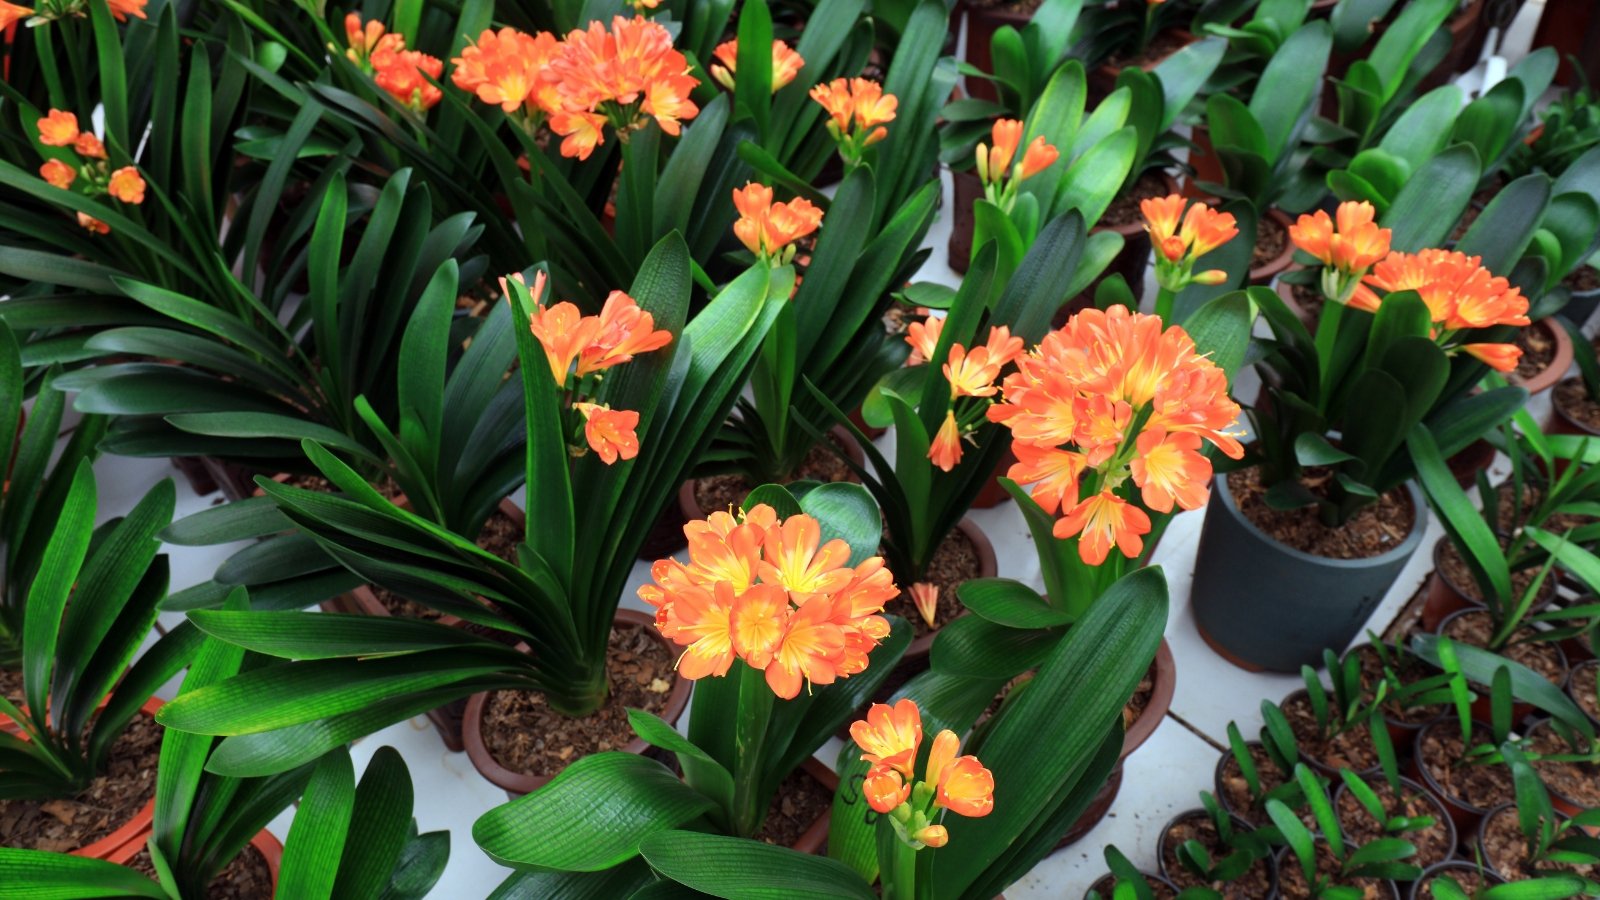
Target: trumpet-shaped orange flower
<point x="11" y="13"/>
<point x="93" y="225"/>
<point x="1180" y="242"/>
<point x="58" y="173"/>
<point x="770" y="229"/>
<point x="127" y="185"/>
<point x="945" y="450"/>
<point x="58" y="129"/>
<point x="925" y="596"/>
<point x="884" y="789"/>
<point x="610" y="432"/>
<point x="794" y="609"/>
<point x="966" y="788"/>
<point x="858" y="113"/>
<point x="627" y="75"/>
<point x="1070" y="406"/>
<point x="405" y="75"/>
<point x="122" y="9"/>
<point x="995" y="159"/>
<point x="89" y="146"/>
<point x="1460" y="295"/>
<point x="624" y="331"/>
<point x="1162" y="215"/>
<point x="564" y="332"/>
<point x="972" y="374"/>
<point x="503" y="68"/>
<point x="786" y="64"/>
<point x="890" y="735"/>
<point x="923" y="337"/>
<point x="1205" y="229"/>
<point x="1500" y="357"/>
<point x="1355" y="246"/>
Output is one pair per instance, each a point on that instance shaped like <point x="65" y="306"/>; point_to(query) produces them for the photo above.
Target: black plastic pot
<point x="1267" y="607"/>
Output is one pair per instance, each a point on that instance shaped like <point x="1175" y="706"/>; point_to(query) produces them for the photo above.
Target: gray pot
<point x="1265" y="606"/>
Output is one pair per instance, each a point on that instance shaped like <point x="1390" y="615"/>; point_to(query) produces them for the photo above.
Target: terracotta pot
<point x="1412" y="787"/>
<point x="1466" y="464"/>
<point x="123" y="844"/>
<point x="872" y="432"/>
<point x="982" y="23"/>
<point x="1547" y="377"/>
<point x="1559" y="422"/>
<point x="815" y="836"/>
<point x="195" y="471"/>
<point x="992" y="494"/>
<point x="1097" y="809"/>
<point x="1456" y="867"/>
<point x="1444" y="598"/>
<point x="517" y="784"/>
<point x="690" y="507"/>
<point x="966" y="189"/>
<point x="1203" y="160"/>
<point x="1465" y="815"/>
<point x="1563" y="804"/>
<point x="915" y="659"/>
<point x="1264" y="273"/>
<point x="271" y="850"/>
<point x="1402" y="734"/>
<point x="1481" y="708"/>
<point x="1103" y="78"/>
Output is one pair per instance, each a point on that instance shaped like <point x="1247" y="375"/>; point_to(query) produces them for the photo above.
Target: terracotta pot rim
<point x="128" y="839"/>
<point x="1155" y="712"/>
<point x="1111" y="71"/>
<point x="271" y="850"/>
<point x="1317" y="765"/>
<point x="983" y="548"/>
<point x="1560" y="363"/>
<point x="1482" y="833"/>
<point x="1278" y="264"/>
<point x="517" y="784"/>
<point x="1419" y="789"/>
<point x="690" y="507"/>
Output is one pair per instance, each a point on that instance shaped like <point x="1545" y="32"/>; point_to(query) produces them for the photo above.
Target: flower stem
<point x="750" y="735"/>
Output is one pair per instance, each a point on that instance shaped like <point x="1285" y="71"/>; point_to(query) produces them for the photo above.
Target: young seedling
<point x="1243" y="849"/>
<point x="1382" y="858"/>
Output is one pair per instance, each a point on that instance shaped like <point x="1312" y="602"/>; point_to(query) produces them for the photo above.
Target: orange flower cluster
<point x="1178" y="246"/>
<point x="889" y="738"/>
<point x="786" y="64"/>
<point x="770" y="229"/>
<point x="1460" y="294"/>
<point x="923" y="337"/>
<point x="1346" y="253"/>
<point x="11" y="13"/>
<point x="858" y="114"/>
<point x="1000" y="178"/>
<point x="625" y="76"/>
<point x="772" y="594"/>
<point x="578" y="346"/>
<point x="60" y="129"/>
<point x="397" y="71"/>
<point x="971" y="374"/>
<point x="1072" y="403"/>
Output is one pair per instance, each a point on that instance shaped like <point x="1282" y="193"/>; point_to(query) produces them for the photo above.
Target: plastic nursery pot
<point x="1561" y="420"/>
<point x="1464" y="813"/>
<point x="516" y="784"/>
<point x="1293" y="887"/>
<point x="815" y="837"/>
<point x="1481" y="707"/>
<point x="1441" y="815"/>
<point x="1466" y="874"/>
<point x="689" y="505"/>
<point x="1560" y="360"/>
<point x="1402" y="733"/>
<point x="1265" y="606"/>
<point x="1445" y="598"/>
<point x="1220" y="777"/>
<point x="1581" y="684"/>
<point x="1562" y="797"/>
<point x="1162" y="888"/>
<point x="1320" y="765"/>
<point x="1175" y="873"/>
<point x="1270" y="268"/>
<point x="1480" y="846"/>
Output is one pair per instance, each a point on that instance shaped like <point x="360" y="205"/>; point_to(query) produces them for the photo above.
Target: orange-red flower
<point x="769" y="229"/>
<point x="966" y="788"/>
<point x="58" y="173"/>
<point x="1500" y="357"/>
<point x="934" y="836"/>
<point x="58" y="129"/>
<point x="127" y="185"/>
<point x="786" y="64"/>
<point x="1459" y="292"/>
<point x="610" y="432"/>
<point x="923" y="337"/>
<point x="627" y="76"/>
<point x="93" y="225"/>
<point x="945" y="450"/>
<point x="122" y="9"/>
<point x="620" y="332"/>
<point x="884" y="789"/>
<point x="1070" y="406"/>
<point x="405" y="76"/>
<point x="11" y="13"/>
<point x="925" y="596"/>
<point x="995" y="159"/>
<point x="772" y="594"/>
<point x="87" y="145"/>
<point x="563" y="331"/>
<point x="503" y="68"/>
<point x="1356" y="245"/>
<point x="364" y="39"/>
<point x="1178" y="244"/>
<point x="890" y="735"/>
<point x="858" y="113"/>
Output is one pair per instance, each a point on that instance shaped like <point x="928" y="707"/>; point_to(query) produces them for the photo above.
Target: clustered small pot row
<point x="468" y="308"/>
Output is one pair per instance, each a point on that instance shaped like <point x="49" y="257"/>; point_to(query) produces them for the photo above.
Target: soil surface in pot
<point x="1235" y="789"/>
<point x="64" y="824"/>
<point x="1506" y="851"/>
<point x="1584" y="688"/>
<point x="723" y="492"/>
<point x="246" y="878"/>
<point x="1252" y="885"/>
<point x="1410" y="670"/>
<point x="1162" y="45"/>
<point x="801" y="800"/>
<point x="1376" y="529"/>
<point x="1310" y="300"/>
<point x="1292" y="879"/>
<point x="1469" y="880"/>
<point x="1582" y="280"/>
<point x="1433" y="843"/>
<point x="1573" y="400"/>
<point x="1108" y="883"/>
<point x="1476" y="627"/>
<point x="11" y="685"/>
<point x="1350" y="749"/>
<point x="1271" y="239"/>
<point x="1576" y="781"/>
<point x="1538" y="351"/>
<point x="1482" y="786"/>
<point x="1124" y="210"/>
<point x="1458" y="574"/>
<point x="525" y="735"/>
<point x="953" y="564"/>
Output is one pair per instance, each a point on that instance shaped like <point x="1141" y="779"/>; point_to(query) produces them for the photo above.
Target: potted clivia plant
<point x="778" y="611"/>
<point x="1327" y="491"/>
<point x="1326" y="863"/>
<point x="617" y="405"/>
<point x="1531" y="840"/>
<point x="86" y="716"/>
<point x="1011" y="53"/>
<point x="208" y="831"/>
<point x="1124" y="881"/>
<point x="1397" y="807"/>
<point x="1209" y="851"/>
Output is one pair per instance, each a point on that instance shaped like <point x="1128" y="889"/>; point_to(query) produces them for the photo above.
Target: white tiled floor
<point x="1162" y="779"/>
